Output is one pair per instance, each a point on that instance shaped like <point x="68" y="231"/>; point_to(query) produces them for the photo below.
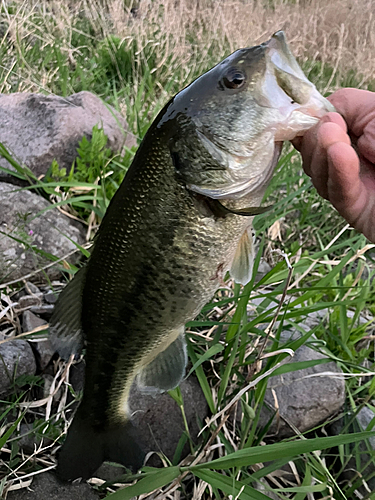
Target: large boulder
<point x="38" y="129"/>
<point x="303" y="398"/>
<point x="22" y="234"/>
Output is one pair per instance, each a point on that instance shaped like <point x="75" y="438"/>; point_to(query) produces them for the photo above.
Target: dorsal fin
<point x="65" y="325"/>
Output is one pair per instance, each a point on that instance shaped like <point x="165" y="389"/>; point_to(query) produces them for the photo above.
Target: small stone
<point x="30" y="300"/>
<point x="263" y="269"/>
<point x="47" y="486"/>
<point x="48" y="381"/>
<point x="16" y="296"/>
<point x="43" y="310"/>
<point x="50" y="297"/>
<point x="44" y="352"/>
<point x="30" y="321"/>
<point x="17" y="359"/>
<point x="31" y="438"/>
<point x="259" y="486"/>
<point x="31" y="289"/>
<point x="354" y="471"/>
<point x="110" y="472"/>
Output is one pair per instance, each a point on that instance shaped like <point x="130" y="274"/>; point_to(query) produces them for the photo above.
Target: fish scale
<point x="180" y="220"/>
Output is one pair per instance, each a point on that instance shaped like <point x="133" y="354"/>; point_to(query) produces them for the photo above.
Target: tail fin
<point x="85" y="449"/>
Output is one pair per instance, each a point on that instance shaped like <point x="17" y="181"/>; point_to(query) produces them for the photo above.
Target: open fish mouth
<point x="294" y="95"/>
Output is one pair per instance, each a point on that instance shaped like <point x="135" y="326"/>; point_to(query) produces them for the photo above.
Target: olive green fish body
<point x="180" y="220"/>
<point x="156" y="262"/>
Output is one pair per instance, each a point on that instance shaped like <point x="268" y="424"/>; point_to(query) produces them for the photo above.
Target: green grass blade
<point x="230" y="485"/>
<point x="259" y="454"/>
<point x="4" y="438"/>
<point x="212" y="351"/>
<point x="151" y="482"/>
<point x="205" y="386"/>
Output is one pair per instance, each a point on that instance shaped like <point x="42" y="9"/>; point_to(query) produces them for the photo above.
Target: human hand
<point x="339" y="156"/>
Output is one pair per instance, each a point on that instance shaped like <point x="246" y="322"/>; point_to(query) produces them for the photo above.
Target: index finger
<point x="356" y="106"/>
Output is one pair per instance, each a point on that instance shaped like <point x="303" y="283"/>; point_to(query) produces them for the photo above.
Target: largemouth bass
<point x="180" y="220"/>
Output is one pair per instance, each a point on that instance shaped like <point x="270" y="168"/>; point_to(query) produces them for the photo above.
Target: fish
<point x="180" y="220"/>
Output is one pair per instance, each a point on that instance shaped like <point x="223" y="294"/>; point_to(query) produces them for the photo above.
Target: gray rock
<point x="110" y="472"/>
<point x="43" y="309"/>
<point x="315" y="318"/>
<point x="310" y="321"/>
<point x="259" y="486"/>
<point x="304" y="397"/>
<point x="159" y="420"/>
<point x="364" y="417"/>
<point x="30" y="300"/>
<point x="50" y="297"/>
<point x="31" y="321"/>
<point x="31" y="289"/>
<point x="50" y="232"/>
<point x="30" y="439"/>
<point x="38" y="129"/>
<point x="263" y="269"/>
<point x="44" y="353"/>
<point x="48" y="380"/>
<point x="16" y="359"/>
<point x="47" y="486"/>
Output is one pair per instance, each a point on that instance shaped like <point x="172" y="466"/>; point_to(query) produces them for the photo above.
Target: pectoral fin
<point x="242" y="264"/>
<point x="167" y="370"/>
<point x="65" y="325"/>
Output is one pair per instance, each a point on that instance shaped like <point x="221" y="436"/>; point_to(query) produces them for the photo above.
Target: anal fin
<point x="167" y="370"/>
<point x="242" y="264"/>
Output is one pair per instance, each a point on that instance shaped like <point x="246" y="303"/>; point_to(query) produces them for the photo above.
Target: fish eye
<point x="234" y="79"/>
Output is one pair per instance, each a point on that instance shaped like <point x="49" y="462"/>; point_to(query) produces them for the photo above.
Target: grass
<point x="135" y="60"/>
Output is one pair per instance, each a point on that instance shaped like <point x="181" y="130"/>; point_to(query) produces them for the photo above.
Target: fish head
<point x="233" y="120"/>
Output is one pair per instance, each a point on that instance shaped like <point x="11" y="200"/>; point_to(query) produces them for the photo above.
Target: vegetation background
<point x="135" y="55"/>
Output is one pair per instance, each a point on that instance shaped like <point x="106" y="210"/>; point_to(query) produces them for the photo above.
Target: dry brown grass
<point x="339" y="34"/>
